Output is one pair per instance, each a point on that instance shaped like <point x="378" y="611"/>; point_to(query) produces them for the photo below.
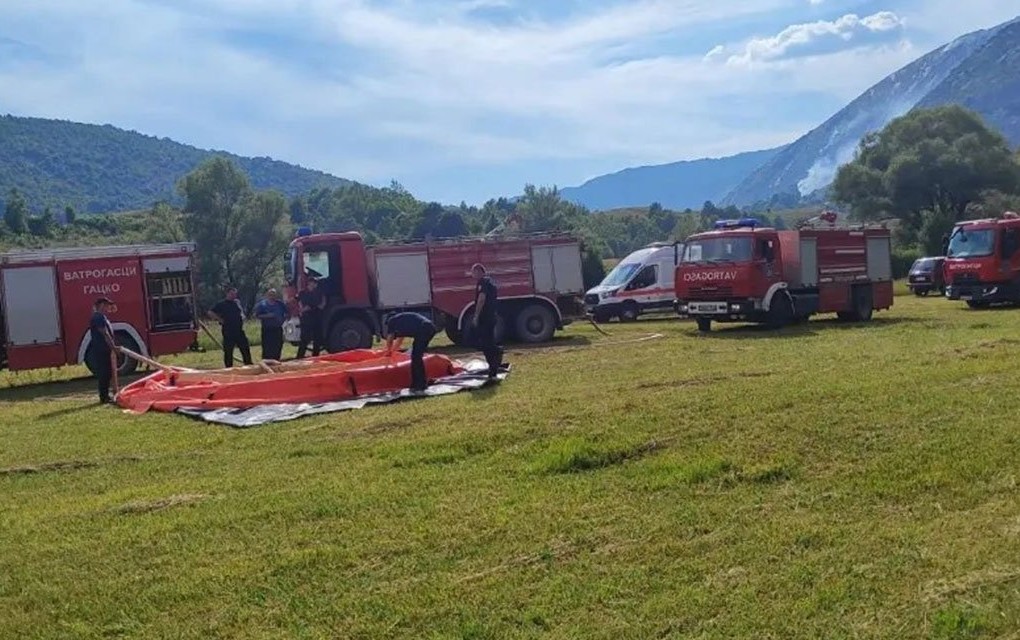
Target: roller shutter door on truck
<point x="402" y="279"/>
<point x="557" y="268"/>
<point x="879" y="259"/>
<point x="809" y="262"/>
<point x="31" y="309"/>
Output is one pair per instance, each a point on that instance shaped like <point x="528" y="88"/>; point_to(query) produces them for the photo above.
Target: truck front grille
<point x="710" y="293"/>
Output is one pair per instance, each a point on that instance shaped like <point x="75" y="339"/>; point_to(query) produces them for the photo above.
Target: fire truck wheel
<point x="780" y="311"/>
<point x="535" y="323"/>
<point x="629" y="312"/>
<point x="125" y="365"/>
<point x="455" y="335"/>
<point x="704" y="325"/>
<point x="347" y="334"/>
<point x="862" y="298"/>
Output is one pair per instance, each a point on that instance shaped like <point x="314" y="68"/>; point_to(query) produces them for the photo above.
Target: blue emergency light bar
<point x="303" y="231"/>
<point x="734" y="224"/>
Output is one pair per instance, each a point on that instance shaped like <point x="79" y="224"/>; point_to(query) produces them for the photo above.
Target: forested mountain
<point x="54" y="163"/>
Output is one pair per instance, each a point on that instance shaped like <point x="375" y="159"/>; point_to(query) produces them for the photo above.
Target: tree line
<point x="242" y="233"/>
<point x="923" y="172"/>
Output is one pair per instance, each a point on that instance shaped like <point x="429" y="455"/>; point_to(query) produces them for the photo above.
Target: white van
<point x="641" y="282"/>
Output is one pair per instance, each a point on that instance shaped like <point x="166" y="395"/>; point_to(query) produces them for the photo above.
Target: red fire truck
<point x="539" y="278"/>
<point x="742" y="273"/>
<point x="982" y="264"/>
<point x="46" y="299"/>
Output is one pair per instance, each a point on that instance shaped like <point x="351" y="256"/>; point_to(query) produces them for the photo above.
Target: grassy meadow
<point x="825" y="481"/>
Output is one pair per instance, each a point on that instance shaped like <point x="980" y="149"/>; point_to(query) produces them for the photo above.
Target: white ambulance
<point x="641" y="283"/>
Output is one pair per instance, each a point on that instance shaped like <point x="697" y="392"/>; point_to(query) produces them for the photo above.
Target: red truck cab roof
<point x="325" y="238"/>
<point x="990" y="223"/>
<point x="726" y="233"/>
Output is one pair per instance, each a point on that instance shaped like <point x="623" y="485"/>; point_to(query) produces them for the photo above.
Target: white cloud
<point x="821" y="37"/>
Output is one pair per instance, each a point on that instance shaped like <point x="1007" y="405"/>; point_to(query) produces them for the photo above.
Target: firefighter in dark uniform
<point x="101" y="347"/>
<point x="312" y="302"/>
<point x="229" y="314"/>
<point x="486" y="297"/>
<point x="417" y="327"/>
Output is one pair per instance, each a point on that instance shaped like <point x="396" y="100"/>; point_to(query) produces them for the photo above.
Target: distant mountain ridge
<point x="676" y="185"/>
<point x="982" y="84"/>
<point x="98" y="168"/>
<point x="980" y="70"/>
<point x="950" y="74"/>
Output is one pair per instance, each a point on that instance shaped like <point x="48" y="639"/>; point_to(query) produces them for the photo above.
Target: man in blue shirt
<point x="416" y="326"/>
<point x="486" y="297"/>
<point x="272" y="312"/>
<point x="101" y="347"/>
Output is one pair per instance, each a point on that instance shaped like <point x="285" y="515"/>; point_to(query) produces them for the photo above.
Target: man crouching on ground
<point x="416" y="326"/>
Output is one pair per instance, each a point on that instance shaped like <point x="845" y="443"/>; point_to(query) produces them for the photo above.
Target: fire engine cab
<point x="982" y="264"/>
<point x="742" y="273"/>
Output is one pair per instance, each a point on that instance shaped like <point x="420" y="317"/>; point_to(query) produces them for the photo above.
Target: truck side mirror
<point x="767" y="251"/>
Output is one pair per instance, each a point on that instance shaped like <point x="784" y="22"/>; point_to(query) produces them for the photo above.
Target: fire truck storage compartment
<point x="557" y="268"/>
<point x="169" y="292"/>
<point x="789" y="252"/>
<point x="402" y="278"/>
<point x="35" y="317"/>
<point x="879" y="259"/>
<point x="809" y="262"/>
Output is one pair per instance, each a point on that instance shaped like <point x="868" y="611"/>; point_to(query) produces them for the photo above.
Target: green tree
<point x="593" y="271"/>
<point x="69" y="215"/>
<point x="238" y="232"/>
<point x="165" y="225"/>
<point x="298" y="211"/>
<point x="16" y="212"/>
<point x="542" y="209"/>
<point x="993" y="204"/>
<point x="261" y="240"/>
<point x="450" y="225"/>
<point x="42" y="226"/>
<point x="935" y="160"/>
<point x="935" y="225"/>
<point x="686" y="226"/>
<point x="709" y="210"/>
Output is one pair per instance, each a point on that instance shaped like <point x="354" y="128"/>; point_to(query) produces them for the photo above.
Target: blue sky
<point x="465" y="99"/>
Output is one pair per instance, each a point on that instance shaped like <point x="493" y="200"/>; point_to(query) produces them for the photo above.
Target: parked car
<point x="926" y="275"/>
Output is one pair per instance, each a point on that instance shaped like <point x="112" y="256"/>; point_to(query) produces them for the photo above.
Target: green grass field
<point x="824" y="481"/>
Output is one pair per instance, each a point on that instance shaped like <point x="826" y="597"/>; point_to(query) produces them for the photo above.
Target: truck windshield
<point x="974" y="243"/>
<point x="290" y="265"/>
<point x="621" y="274"/>
<point x="736" y="249"/>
